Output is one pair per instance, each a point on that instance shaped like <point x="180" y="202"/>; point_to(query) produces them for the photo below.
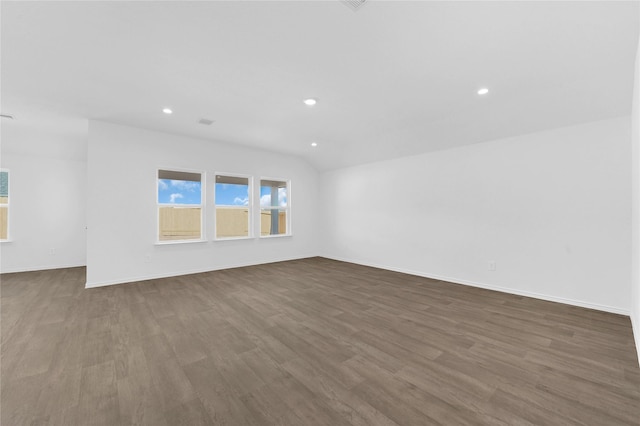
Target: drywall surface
<point x="47" y="203"/>
<point x="635" y="194"/>
<point x="122" y="208"/>
<point x="550" y="209"/>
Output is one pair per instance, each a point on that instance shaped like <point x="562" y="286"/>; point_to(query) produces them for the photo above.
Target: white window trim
<point x="250" y="194"/>
<point x="202" y="205"/>
<point x="287" y="208"/>
<point x="8" y="204"/>
<point x="233" y="239"/>
<point x="276" y="236"/>
<point x="174" y="242"/>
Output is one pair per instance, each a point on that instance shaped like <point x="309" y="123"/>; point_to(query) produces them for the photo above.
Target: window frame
<point x="8" y="206"/>
<point x="202" y="205"/>
<point x="287" y="209"/>
<point x="250" y="195"/>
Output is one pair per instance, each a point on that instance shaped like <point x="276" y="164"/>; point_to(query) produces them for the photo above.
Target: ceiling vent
<point x="354" y="5"/>
<point x="205" y="121"/>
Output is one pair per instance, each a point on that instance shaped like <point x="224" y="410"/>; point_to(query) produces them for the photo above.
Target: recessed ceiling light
<point x="167" y="111"/>
<point x="314" y="144"/>
<point x="483" y="91"/>
<point x="310" y="102"/>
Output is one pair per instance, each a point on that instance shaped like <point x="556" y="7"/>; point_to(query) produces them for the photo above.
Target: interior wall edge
<point x="635" y="203"/>
<point x="547" y="297"/>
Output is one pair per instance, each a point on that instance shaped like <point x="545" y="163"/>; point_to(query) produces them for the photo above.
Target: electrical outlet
<point x="147" y="258"/>
<point x="52" y="251"/>
<point x="492" y="265"/>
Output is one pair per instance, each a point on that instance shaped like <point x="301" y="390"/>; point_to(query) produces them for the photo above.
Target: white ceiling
<point x="392" y="79"/>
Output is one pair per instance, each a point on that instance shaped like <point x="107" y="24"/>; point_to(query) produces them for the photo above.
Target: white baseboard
<point x="186" y="272"/>
<point x="551" y="298"/>
<point x="547" y="297"/>
<point x="40" y="268"/>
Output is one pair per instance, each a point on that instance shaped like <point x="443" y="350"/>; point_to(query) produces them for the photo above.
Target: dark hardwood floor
<point x="308" y="342"/>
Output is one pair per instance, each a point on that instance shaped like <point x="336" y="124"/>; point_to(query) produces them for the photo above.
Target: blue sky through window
<point x="172" y="191"/>
<point x="265" y="196"/>
<point x="230" y="194"/>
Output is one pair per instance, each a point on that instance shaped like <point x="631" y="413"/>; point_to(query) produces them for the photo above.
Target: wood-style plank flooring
<point x="307" y="342"/>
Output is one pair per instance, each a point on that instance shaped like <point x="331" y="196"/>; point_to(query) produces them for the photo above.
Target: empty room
<point x="356" y="212"/>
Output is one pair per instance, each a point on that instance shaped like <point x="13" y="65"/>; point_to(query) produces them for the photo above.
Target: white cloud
<point x="241" y="201"/>
<point x="265" y="200"/>
<point x="185" y="185"/>
<point x="162" y="185"/>
<point x="172" y="197"/>
<point x="282" y="196"/>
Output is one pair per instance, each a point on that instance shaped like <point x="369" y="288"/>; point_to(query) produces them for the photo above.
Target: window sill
<point x="233" y="238"/>
<point x="276" y="236"/>
<point x="173" y="242"/>
<point x="6" y="241"/>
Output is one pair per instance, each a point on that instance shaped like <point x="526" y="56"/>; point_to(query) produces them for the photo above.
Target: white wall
<point x="121" y="207"/>
<point x="47" y="211"/>
<point x="552" y="209"/>
<point x="635" y="194"/>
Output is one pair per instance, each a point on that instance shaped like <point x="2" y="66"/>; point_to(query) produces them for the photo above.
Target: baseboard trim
<point x="550" y="298"/>
<point x="41" y="268"/>
<point x="186" y="272"/>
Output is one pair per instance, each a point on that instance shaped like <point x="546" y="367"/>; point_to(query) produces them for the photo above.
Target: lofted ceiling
<point x="391" y="79"/>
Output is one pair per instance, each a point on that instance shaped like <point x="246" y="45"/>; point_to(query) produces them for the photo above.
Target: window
<point x="4" y="204"/>
<point x="275" y="207"/>
<point x="179" y="205"/>
<point x="233" y="206"/>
